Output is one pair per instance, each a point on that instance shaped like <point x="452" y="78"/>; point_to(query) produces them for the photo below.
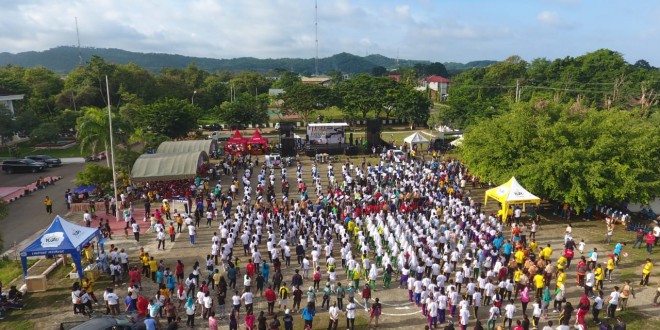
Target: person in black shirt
<point x="288" y="320"/>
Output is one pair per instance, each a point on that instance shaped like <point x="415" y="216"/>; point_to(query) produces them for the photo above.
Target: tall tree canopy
<point x="305" y="99"/>
<point x="246" y="109"/>
<point x="569" y="153"/>
<point x="170" y="117"/>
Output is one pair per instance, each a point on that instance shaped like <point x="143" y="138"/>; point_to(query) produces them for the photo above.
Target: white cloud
<point x="552" y="19"/>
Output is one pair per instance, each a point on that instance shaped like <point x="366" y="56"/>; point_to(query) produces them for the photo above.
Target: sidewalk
<point x="14" y="193"/>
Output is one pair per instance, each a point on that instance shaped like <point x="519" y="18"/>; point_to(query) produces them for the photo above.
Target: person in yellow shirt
<point x="646" y="272"/>
<point x="520" y="257"/>
<point x="546" y="253"/>
<point x="516" y="279"/>
<point x="539" y="281"/>
<point x="153" y="268"/>
<point x="49" y="205"/>
<point x="533" y="246"/>
<point x="561" y="263"/>
<point x="145" y="264"/>
<point x="599" y="275"/>
<point x="609" y="268"/>
<point x="561" y="278"/>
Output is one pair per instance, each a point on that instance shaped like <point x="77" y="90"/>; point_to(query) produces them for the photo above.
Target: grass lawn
<point x="11" y="269"/>
<point x="27" y="148"/>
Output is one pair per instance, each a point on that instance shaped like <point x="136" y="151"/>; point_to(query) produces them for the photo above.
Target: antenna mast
<point x="80" y="60"/>
<point x="316" y="33"/>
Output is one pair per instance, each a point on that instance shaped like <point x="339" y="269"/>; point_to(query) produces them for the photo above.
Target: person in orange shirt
<point x="170" y="229"/>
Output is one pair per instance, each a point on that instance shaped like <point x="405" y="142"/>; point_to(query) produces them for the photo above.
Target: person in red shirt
<point x="270" y="299"/>
<point x="366" y="294"/>
<point x="650" y="240"/>
<point x="179" y="272"/>
<point x="249" y="268"/>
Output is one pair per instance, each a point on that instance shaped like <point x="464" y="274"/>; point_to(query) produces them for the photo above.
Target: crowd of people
<point x="410" y="226"/>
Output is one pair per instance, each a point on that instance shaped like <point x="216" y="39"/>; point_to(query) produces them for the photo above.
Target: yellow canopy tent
<point x="511" y="193"/>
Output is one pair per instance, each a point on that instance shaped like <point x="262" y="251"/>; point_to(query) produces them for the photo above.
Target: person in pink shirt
<point x="249" y="321"/>
<point x="213" y="323"/>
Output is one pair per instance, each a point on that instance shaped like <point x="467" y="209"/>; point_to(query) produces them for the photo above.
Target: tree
<point x="93" y="130"/>
<point x="305" y="99"/>
<point x="66" y="120"/>
<point x="286" y="80"/>
<point x="378" y="71"/>
<point x="7" y="125"/>
<point x="94" y="174"/>
<point x="170" y="117"/>
<point x="246" y="109"/>
<point x="47" y="132"/>
<point x="364" y="94"/>
<point x="563" y="155"/>
<point x="412" y="106"/>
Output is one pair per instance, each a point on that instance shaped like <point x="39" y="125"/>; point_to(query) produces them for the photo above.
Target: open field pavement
<point x="398" y="312"/>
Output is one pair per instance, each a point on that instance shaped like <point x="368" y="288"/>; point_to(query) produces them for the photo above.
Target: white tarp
<point x="415" y="138"/>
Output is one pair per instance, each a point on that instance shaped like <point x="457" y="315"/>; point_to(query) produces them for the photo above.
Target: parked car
<point x="396" y="154"/>
<point x="50" y="161"/>
<point x="273" y="160"/>
<point x="219" y="137"/>
<point x="107" y="322"/>
<point x="22" y="165"/>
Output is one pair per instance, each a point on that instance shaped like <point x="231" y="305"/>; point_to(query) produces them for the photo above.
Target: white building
<point x="7" y="99"/>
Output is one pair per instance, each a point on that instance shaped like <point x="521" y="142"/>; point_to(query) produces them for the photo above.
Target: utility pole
<point x="80" y="59"/>
<point x="316" y="36"/>
<point x="517" y="91"/>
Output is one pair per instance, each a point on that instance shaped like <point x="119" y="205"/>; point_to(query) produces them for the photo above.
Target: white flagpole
<point x="112" y="149"/>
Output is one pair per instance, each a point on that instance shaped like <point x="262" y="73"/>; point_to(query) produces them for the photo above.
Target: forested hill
<point x="63" y="59"/>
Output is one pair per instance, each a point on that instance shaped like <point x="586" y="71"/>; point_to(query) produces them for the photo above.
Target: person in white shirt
<point x="509" y="310"/>
<point x="494" y="313"/>
<point x="432" y="309"/>
<point x="350" y="315"/>
<point x="248" y="299"/>
<point x="191" y="231"/>
<point x="613" y="303"/>
<point x="333" y="312"/>
<point x="464" y="315"/>
<point x="112" y="300"/>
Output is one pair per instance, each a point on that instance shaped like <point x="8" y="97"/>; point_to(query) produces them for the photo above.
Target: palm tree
<point x="93" y="130"/>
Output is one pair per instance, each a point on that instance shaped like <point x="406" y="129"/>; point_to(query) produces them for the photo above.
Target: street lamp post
<point x="192" y="99"/>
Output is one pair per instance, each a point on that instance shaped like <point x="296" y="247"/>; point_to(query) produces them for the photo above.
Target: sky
<point x="434" y="30"/>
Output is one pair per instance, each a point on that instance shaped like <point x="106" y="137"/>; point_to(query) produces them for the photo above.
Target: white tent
<point x="458" y="142"/>
<point x="415" y="138"/>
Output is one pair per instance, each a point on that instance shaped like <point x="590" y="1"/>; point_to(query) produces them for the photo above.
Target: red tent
<point x="237" y="143"/>
<point x="258" y="144"/>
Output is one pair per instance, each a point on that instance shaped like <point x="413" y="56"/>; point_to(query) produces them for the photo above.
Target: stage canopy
<point x="257" y="138"/>
<point x="511" y="193"/>
<point x="415" y="138"/>
<point x="209" y="146"/>
<point x="237" y="138"/>
<point x="164" y="167"/>
<point x="62" y="237"/>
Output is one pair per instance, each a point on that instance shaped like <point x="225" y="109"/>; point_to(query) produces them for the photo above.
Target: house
<point x="436" y="85"/>
<point x="320" y="80"/>
<point x="394" y="77"/>
<point x="8" y="97"/>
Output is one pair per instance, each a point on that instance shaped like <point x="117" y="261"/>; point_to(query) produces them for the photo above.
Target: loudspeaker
<point x="286" y="129"/>
<point x="373" y="125"/>
<point x="288" y="147"/>
<point x="373" y="132"/>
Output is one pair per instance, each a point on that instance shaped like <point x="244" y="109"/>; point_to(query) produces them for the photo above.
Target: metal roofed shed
<point x="208" y="146"/>
<point x="169" y="166"/>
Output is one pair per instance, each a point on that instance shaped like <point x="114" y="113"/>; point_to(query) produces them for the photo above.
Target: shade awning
<point x="512" y="193"/>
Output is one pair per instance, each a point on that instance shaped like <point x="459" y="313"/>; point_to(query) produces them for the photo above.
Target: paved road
<point x="27" y="215"/>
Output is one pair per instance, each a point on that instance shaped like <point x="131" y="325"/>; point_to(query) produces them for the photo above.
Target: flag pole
<point x="112" y="148"/>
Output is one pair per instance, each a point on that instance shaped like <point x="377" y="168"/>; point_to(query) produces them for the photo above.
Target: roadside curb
<point x="32" y="188"/>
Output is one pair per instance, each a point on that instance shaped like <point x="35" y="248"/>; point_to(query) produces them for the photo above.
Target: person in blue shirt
<point x="171" y="283"/>
<point x="131" y="304"/>
<point x="507" y="249"/>
<point x="265" y="270"/>
<point x="617" y="252"/>
<point x="150" y="323"/>
<point x="308" y="314"/>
